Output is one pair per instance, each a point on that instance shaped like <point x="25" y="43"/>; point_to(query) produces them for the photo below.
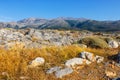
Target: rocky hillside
<point x="33" y="54"/>
<point x="64" y="23"/>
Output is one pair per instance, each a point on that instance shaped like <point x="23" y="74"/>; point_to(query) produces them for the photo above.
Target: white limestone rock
<point x="63" y="72"/>
<point x="75" y="61"/>
<point x="113" y="44"/>
<point x="37" y="62"/>
<point x="88" y="56"/>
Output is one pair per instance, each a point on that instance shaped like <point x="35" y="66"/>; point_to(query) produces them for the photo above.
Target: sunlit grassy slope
<point x="14" y="61"/>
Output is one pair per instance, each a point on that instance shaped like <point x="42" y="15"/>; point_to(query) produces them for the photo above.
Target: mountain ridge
<point x="64" y="23"/>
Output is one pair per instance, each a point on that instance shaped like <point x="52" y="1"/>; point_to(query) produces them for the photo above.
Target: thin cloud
<point x="6" y="19"/>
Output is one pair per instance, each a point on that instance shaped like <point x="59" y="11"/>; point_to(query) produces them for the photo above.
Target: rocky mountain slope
<point x="33" y="54"/>
<point x="64" y="23"/>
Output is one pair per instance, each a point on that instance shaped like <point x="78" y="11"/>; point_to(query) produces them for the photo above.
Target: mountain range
<point x="64" y="23"/>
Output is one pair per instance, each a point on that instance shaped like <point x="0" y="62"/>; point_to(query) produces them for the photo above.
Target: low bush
<point x="94" y="42"/>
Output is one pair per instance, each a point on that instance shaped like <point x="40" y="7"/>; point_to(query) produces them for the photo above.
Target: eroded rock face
<point x="37" y="62"/>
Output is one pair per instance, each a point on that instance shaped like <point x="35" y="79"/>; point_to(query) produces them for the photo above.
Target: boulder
<point x="63" y="72"/>
<point x="76" y="61"/>
<point x="113" y="44"/>
<point x="37" y="62"/>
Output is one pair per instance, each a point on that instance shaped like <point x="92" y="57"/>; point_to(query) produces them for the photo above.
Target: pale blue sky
<point x="12" y="10"/>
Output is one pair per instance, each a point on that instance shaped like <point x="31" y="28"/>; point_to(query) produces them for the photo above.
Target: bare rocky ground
<point x="36" y="38"/>
<point x="85" y="66"/>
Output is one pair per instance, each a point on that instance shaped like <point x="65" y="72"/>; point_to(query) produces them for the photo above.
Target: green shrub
<point x="94" y="42"/>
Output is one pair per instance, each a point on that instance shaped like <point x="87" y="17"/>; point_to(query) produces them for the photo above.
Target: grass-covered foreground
<point x="14" y="62"/>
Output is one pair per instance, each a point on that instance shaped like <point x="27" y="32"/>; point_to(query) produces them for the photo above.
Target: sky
<point x="13" y="10"/>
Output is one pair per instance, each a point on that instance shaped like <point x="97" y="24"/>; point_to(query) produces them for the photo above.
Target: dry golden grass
<point x="13" y="62"/>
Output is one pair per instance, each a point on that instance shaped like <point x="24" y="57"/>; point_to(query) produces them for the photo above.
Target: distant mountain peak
<point x="32" y="20"/>
<point x="64" y="23"/>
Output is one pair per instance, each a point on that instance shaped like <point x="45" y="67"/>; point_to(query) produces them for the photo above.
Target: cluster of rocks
<point x="71" y="65"/>
<point x="85" y="58"/>
<point x="32" y="38"/>
<point x="36" y="38"/>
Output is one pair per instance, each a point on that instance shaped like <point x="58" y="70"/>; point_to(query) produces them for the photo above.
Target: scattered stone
<point x="63" y="72"/>
<point x="113" y="44"/>
<point x="37" y="62"/>
<point x="88" y="56"/>
<point x="53" y="69"/>
<point x="75" y="61"/>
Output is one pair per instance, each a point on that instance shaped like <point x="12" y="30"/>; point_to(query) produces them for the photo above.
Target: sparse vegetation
<point x="23" y="47"/>
<point x="13" y="62"/>
<point x="94" y="42"/>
